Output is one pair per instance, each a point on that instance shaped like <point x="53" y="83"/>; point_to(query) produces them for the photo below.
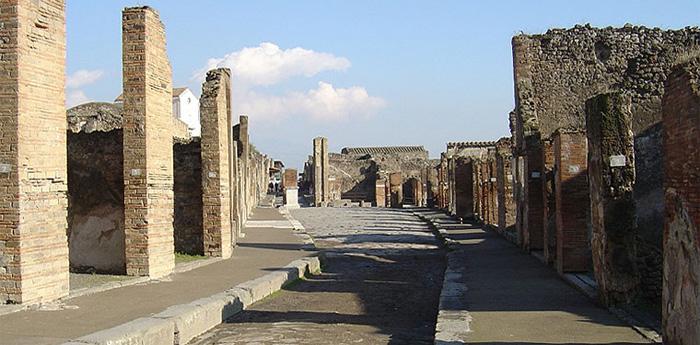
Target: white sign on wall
<point x="618" y="160"/>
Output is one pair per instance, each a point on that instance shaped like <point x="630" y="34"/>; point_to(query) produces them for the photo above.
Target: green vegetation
<point x="184" y="257"/>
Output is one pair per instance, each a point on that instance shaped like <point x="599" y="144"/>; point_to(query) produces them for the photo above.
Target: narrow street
<point x="380" y="284"/>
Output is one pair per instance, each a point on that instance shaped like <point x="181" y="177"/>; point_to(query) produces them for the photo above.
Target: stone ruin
<point x="598" y="178"/>
<point x="607" y="118"/>
<point x="381" y="176"/>
<point x="131" y="186"/>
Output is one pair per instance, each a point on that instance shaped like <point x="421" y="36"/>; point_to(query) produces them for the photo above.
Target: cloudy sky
<point x="359" y="72"/>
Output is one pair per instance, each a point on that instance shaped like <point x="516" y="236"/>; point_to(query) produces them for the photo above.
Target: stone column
<point x="33" y="155"/>
<point x="215" y="116"/>
<point x="148" y="145"/>
<point x="244" y="146"/>
<point x="571" y="199"/>
<point x="611" y="179"/>
<point x="504" y="186"/>
<point x="321" y="173"/>
<point x="533" y="227"/>
<point x="549" y="226"/>
<point x="681" y="290"/>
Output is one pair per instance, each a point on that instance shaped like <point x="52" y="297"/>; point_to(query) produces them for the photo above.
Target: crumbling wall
<point x="505" y="185"/>
<point x="611" y="175"/>
<point x="681" y="282"/>
<point x="187" y="191"/>
<point x="96" y="201"/>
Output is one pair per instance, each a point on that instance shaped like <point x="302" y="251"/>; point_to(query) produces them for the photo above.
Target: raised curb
<point x="453" y="323"/>
<point x="181" y="323"/>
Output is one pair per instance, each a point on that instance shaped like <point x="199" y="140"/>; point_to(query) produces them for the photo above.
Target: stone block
<point x="143" y="331"/>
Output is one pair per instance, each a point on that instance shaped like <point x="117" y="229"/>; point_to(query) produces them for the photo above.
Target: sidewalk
<point x="494" y="293"/>
<point x="263" y="249"/>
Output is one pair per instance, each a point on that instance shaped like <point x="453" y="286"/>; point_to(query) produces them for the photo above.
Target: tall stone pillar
<point x="33" y="173"/>
<point x="504" y="186"/>
<point x="571" y="199"/>
<point x="549" y="224"/>
<point x="681" y="289"/>
<point x="321" y="173"/>
<point x="244" y="146"/>
<point x="148" y="141"/>
<point x="533" y="225"/>
<point x="611" y="180"/>
<point x="215" y="117"/>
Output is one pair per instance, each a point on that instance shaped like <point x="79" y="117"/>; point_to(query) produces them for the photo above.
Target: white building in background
<point x="185" y="108"/>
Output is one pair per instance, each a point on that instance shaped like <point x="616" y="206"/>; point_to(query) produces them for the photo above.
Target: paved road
<point x="380" y="285"/>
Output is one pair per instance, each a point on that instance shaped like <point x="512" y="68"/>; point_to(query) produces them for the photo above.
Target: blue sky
<point x="359" y="72"/>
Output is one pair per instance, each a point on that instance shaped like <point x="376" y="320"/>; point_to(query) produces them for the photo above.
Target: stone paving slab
<point x="378" y="286"/>
<point x="260" y="252"/>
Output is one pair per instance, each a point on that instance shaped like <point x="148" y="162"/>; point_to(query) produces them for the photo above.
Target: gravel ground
<point x="380" y="285"/>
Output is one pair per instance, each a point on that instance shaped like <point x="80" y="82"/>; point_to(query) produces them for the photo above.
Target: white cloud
<point x="267" y="64"/>
<point x="325" y="103"/>
<point x="75" y="81"/>
<point x="76" y="97"/>
<point x="83" y="77"/>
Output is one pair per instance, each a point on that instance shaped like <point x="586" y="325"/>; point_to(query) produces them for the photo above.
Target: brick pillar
<point x="681" y="290"/>
<point x="380" y="192"/>
<point x="572" y="201"/>
<point x="215" y="115"/>
<point x="148" y="154"/>
<point x="611" y="181"/>
<point x="504" y="186"/>
<point x="533" y="227"/>
<point x="244" y="161"/>
<point x="33" y="155"/>
<point x="396" y="189"/>
<point x="236" y="189"/>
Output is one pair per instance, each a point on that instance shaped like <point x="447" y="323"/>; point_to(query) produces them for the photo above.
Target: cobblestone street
<point x="380" y="285"/>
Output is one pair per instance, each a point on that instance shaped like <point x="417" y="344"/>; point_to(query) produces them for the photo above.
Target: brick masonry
<point x="33" y="174"/>
<point x="148" y="155"/>
<point x="681" y="282"/>
<point x="572" y="197"/>
<point x="611" y="175"/>
<point x="187" y="193"/>
<point x="504" y="186"/>
<point x="548" y="195"/>
<point x="215" y="115"/>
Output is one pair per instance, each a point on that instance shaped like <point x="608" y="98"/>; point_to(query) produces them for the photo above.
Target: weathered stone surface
<point x="611" y="174"/>
<point x="96" y="198"/>
<point x="148" y="154"/>
<point x="215" y="113"/>
<point x="681" y="282"/>
<point x="95" y="117"/>
<point x="33" y="177"/>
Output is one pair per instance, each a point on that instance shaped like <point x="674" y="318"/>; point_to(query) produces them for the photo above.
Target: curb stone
<point x="453" y="323"/>
<point x="179" y="324"/>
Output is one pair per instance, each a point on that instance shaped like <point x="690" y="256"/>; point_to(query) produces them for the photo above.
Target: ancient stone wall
<point x="187" y="191"/>
<point x="96" y="198"/>
<point x="681" y="276"/>
<point x="33" y="174"/>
